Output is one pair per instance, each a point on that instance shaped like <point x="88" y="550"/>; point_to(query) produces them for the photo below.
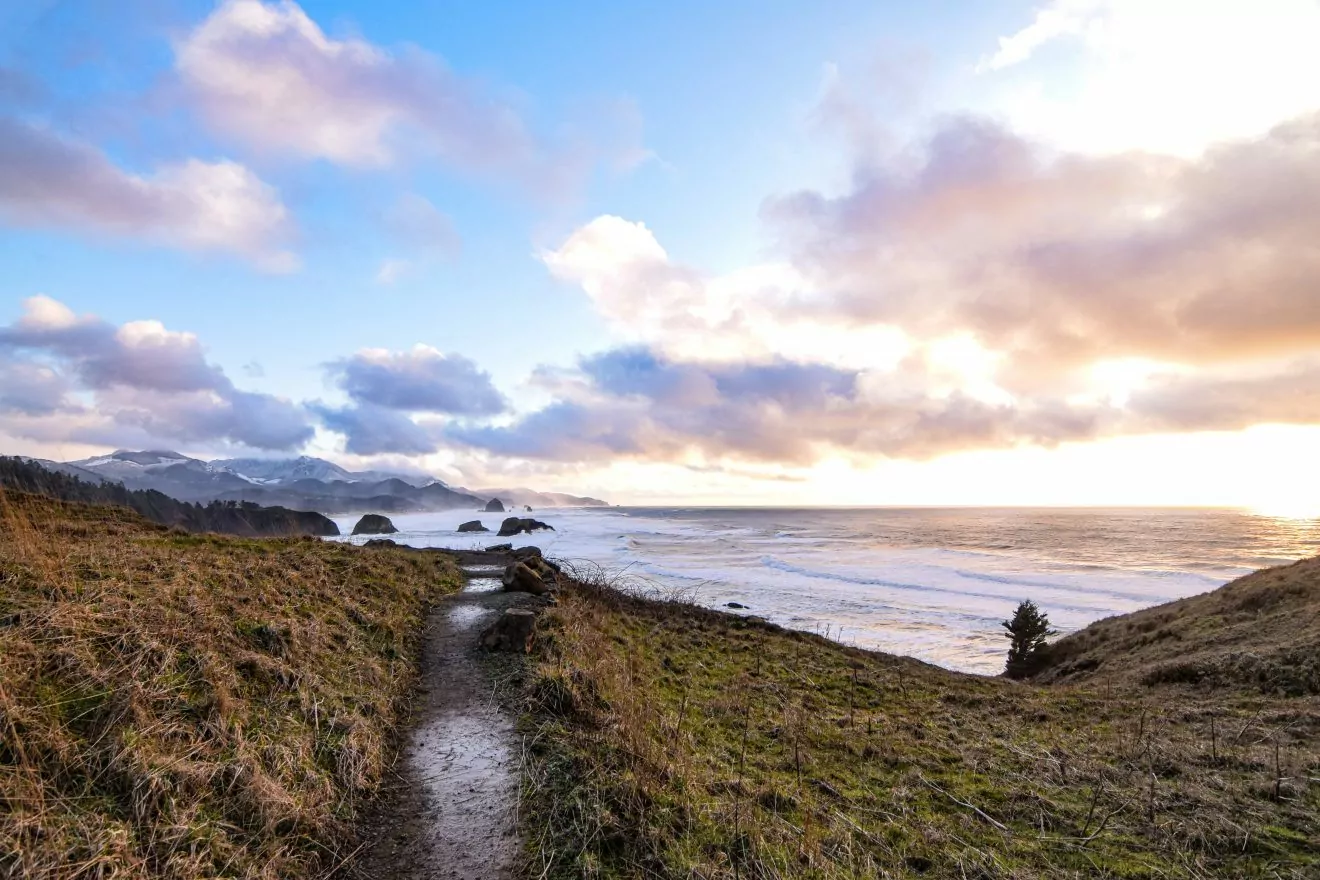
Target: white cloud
<point x="1058" y="19"/>
<point x="47" y="181"/>
<point x="1171" y="76"/>
<point x="744" y="314"/>
<point x="265" y="74"/>
<point x="86" y="380"/>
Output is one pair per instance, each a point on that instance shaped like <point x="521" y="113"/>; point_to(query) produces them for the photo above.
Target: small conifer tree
<point x="1028" y="630"/>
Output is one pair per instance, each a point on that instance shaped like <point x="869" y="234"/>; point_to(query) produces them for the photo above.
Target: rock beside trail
<point x="473" y="526"/>
<point x="520" y="578"/>
<point x="532" y="557"/>
<point x="499" y="548"/>
<point x="511" y="631"/>
<point x="374" y="524"/>
<point x="494" y="505"/>
<point x="516" y="525"/>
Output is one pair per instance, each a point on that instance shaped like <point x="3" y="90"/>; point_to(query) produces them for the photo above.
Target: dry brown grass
<point x="671" y="741"/>
<point x="189" y="706"/>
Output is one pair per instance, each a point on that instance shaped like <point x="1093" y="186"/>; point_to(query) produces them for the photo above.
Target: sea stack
<point x="374" y="524"/>
<point x="515" y="525"/>
<point x="494" y="506"/>
<point x="473" y="526"/>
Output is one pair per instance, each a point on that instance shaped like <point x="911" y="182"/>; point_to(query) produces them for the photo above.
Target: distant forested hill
<point x="226" y="517"/>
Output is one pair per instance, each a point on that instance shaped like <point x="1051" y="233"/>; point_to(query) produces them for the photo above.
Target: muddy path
<point x="451" y="811"/>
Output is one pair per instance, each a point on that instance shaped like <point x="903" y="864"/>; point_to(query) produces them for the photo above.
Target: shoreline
<point x="932" y="589"/>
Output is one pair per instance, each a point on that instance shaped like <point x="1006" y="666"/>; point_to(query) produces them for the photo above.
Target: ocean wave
<point x="1054" y="601"/>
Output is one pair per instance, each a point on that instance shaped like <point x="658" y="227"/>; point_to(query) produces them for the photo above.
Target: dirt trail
<point x="453" y="813"/>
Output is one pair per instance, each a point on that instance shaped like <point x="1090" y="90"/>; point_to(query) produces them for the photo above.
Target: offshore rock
<point x="374" y="524"/>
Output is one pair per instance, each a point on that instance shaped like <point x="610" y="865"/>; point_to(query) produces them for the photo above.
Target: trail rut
<point x="453" y="811"/>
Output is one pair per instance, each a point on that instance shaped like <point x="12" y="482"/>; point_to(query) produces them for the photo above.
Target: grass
<point x="1260" y="632"/>
<point x="190" y="706"/>
<point x="670" y="741"/>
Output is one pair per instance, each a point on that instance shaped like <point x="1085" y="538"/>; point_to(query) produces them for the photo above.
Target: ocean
<point x="929" y="583"/>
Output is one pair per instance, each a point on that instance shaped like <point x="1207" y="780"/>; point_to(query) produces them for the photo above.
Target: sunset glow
<point x="1067" y="260"/>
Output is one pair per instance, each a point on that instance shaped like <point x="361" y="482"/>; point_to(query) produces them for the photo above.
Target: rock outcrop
<point x="536" y="561"/>
<point x="374" y="524"/>
<point x="516" y="525"/>
<point x="520" y="578"/>
<point x="494" y="506"/>
<point x="512" y="631"/>
<point x="473" y="526"/>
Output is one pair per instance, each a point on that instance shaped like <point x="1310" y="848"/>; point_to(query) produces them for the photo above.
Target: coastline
<point x="905" y="583"/>
<point x="653" y="738"/>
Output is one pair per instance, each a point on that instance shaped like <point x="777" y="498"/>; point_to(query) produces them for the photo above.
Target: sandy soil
<point x="452" y="812"/>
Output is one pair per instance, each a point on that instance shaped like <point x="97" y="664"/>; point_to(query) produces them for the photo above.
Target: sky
<point x="856" y="253"/>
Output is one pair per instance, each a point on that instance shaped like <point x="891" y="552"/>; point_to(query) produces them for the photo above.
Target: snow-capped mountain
<point x="177" y="475"/>
<point x="124" y="463"/>
<point x="303" y="483"/>
<point x="284" y="470"/>
<point x="281" y="471"/>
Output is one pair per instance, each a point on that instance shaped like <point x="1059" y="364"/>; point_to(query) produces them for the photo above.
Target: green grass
<point x="670" y="741"/>
<point x="1260" y="633"/>
<point x="191" y="706"/>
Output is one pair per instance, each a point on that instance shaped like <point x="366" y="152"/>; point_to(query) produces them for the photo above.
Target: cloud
<point x="1104" y="75"/>
<point x="1059" y="260"/>
<point x="1058" y="19"/>
<point x="387" y="387"/>
<point x="421" y="379"/>
<point x="1005" y="294"/>
<point x="266" y="75"/>
<point x="1230" y="402"/>
<point x="145" y="383"/>
<point x="649" y="298"/>
<point x="634" y="404"/>
<point x="637" y="403"/>
<point x="32" y="389"/>
<point x="377" y="430"/>
<point x="139" y="354"/>
<point x="49" y="182"/>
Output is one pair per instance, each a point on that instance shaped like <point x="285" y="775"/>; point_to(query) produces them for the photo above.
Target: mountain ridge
<point x="232" y="518"/>
<point x="303" y="482"/>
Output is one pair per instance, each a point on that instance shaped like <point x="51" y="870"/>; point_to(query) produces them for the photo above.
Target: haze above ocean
<point x="929" y="583"/>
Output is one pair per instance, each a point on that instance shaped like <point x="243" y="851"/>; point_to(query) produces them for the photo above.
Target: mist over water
<point x="929" y="583"/>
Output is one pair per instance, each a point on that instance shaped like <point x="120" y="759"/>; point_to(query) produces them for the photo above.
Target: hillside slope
<point x="1260" y="631"/>
<point x="184" y="706"/>
<point x="231" y="518"/>
<point x="672" y="741"/>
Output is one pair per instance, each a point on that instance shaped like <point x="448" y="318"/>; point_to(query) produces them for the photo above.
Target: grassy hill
<point x="671" y="741"/>
<point x="1261" y="632"/>
<point x="185" y="706"/>
<point x="224" y="517"/>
